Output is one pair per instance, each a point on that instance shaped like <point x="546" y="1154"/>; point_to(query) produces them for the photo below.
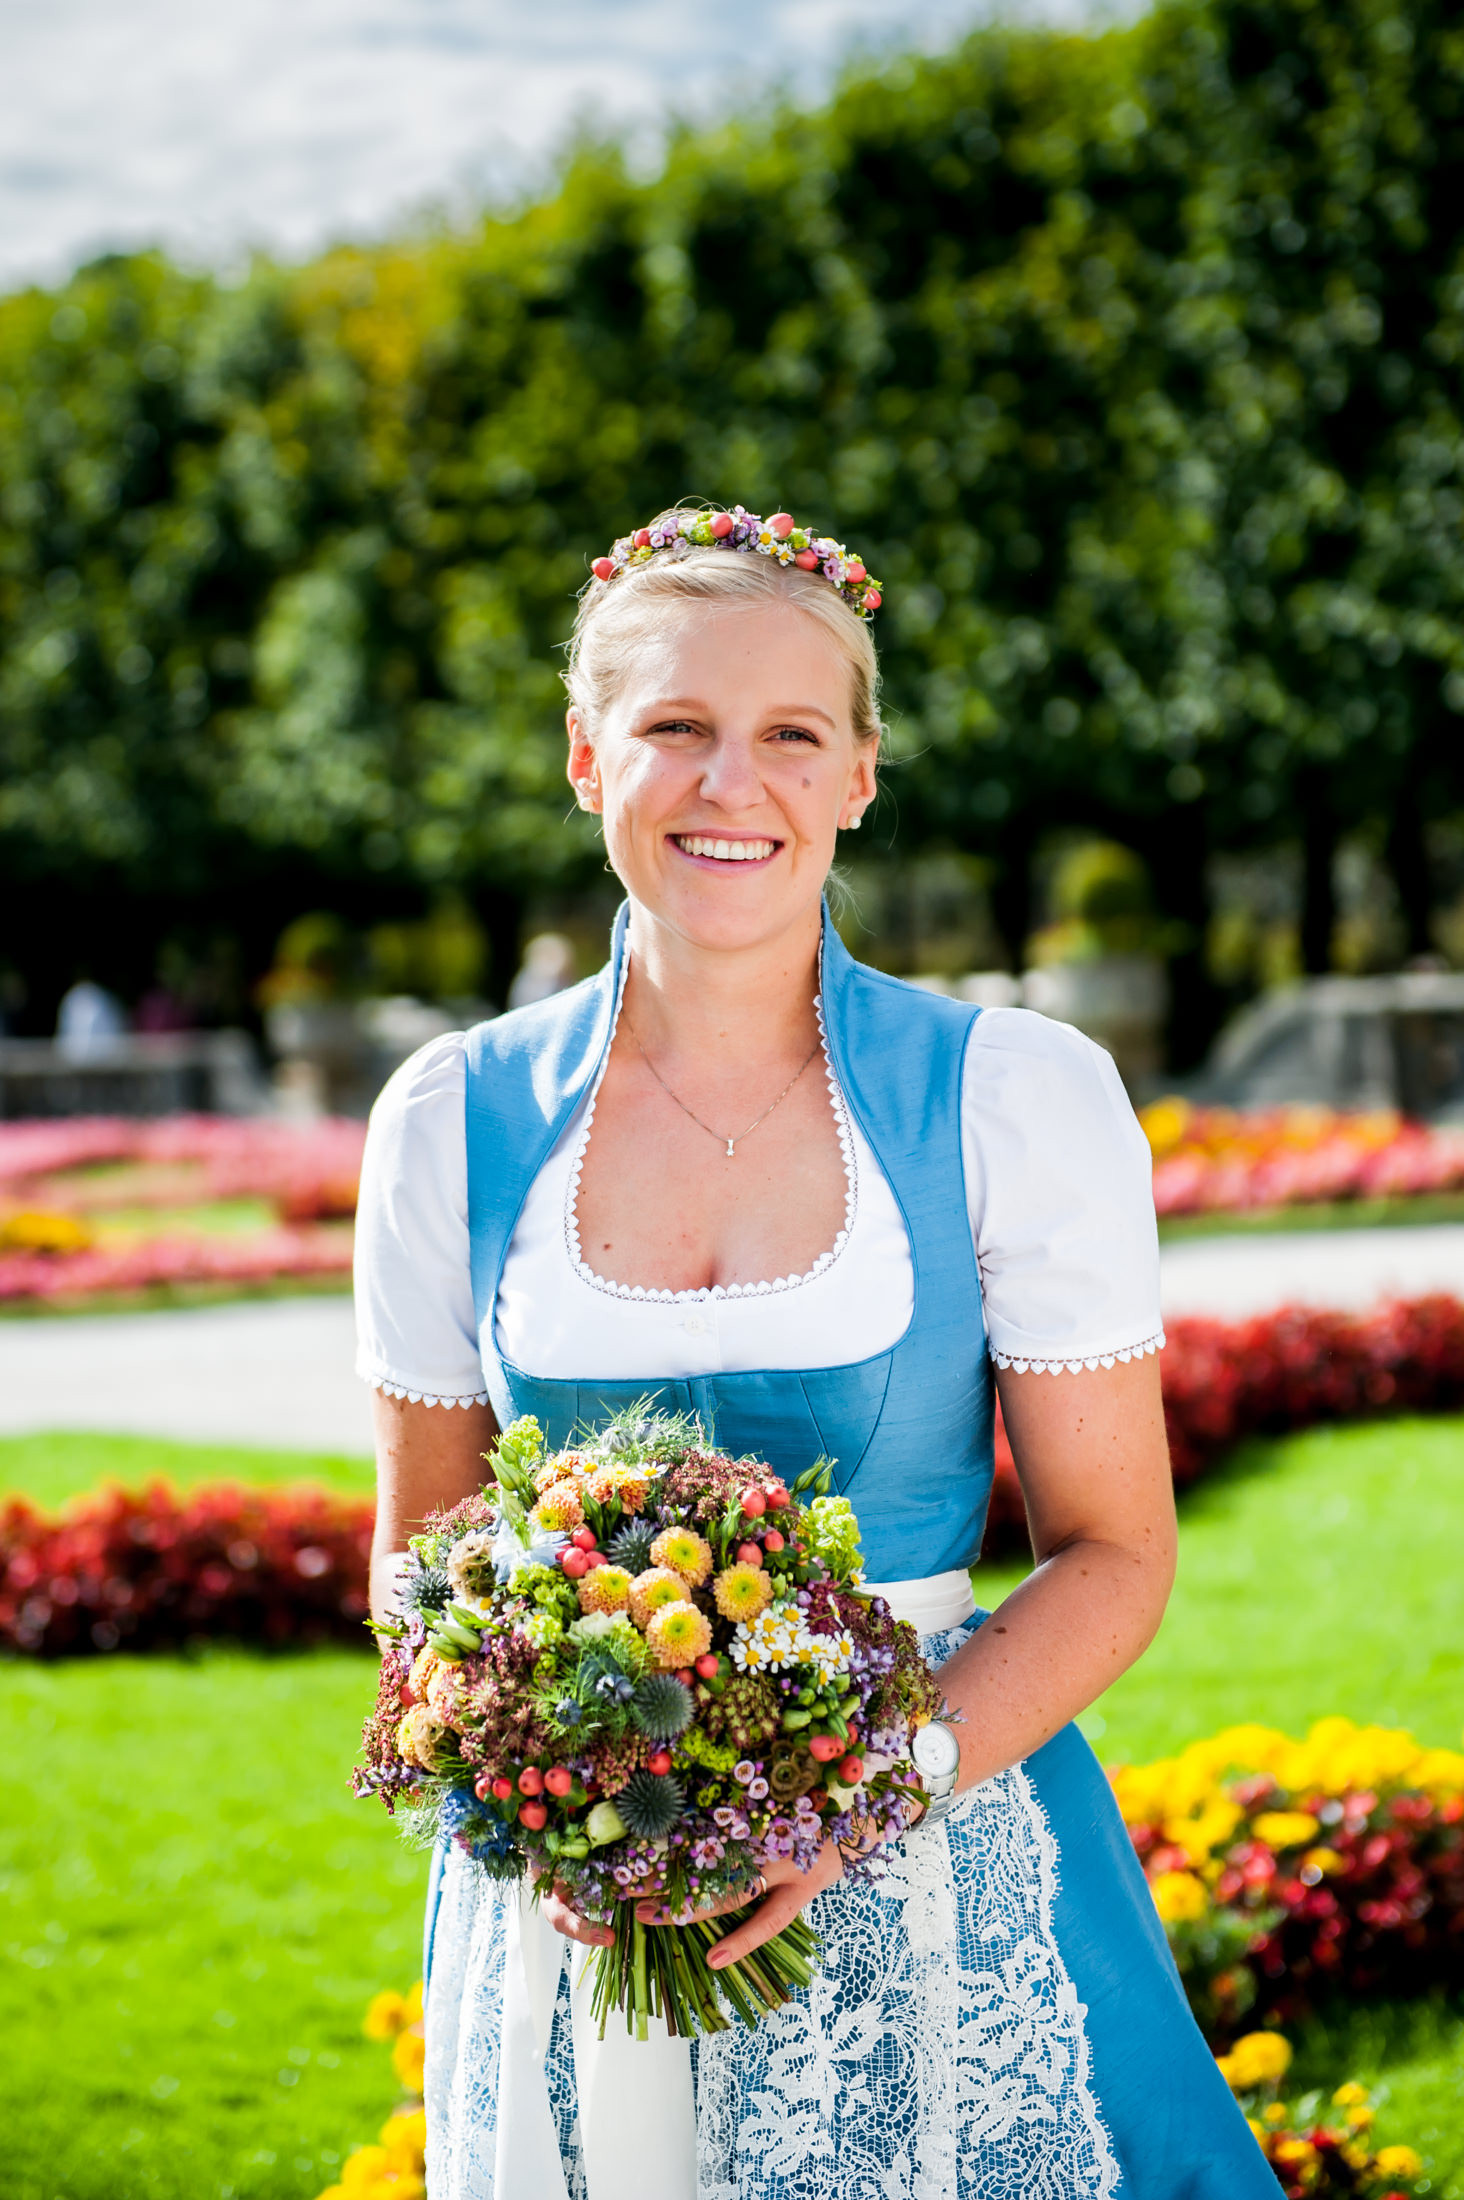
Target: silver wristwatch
<point x="936" y="1754"/>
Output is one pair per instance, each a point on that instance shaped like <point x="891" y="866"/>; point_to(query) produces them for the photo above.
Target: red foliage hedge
<point x="1226" y="1380"/>
<point x="152" y="1569"/>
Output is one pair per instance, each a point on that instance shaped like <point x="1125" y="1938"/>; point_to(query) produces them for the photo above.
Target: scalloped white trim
<point x="1075" y="1367"/>
<point x="649" y="1296"/>
<point x="390" y="1389"/>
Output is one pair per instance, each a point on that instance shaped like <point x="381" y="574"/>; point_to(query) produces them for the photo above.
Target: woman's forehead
<point x="703" y="654"/>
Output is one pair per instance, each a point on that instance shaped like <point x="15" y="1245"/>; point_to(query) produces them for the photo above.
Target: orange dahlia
<point x="678" y="1635"/>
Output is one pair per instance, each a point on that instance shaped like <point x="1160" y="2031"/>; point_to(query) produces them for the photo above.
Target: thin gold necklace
<point x="732" y="1144"/>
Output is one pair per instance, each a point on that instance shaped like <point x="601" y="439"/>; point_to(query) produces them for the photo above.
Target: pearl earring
<point x="854" y="824"/>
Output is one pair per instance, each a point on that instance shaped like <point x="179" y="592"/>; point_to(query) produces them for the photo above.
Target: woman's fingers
<point x="655" y="1912"/>
<point x="568" y="1921"/>
<point x="779" y="1908"/>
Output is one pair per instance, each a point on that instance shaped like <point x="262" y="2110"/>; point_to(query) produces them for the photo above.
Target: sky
<point x="217" y="126"/>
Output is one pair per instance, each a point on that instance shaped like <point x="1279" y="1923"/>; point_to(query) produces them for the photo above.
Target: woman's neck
<point x="687" y="999"/>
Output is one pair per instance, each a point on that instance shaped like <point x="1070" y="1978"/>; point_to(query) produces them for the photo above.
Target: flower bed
<point x="152" y="1569"/>
<point x="395" y="2168"/>
<point x="97" y="1205"/>
<point x="1226" y="1380"/>
<point x="1319" y="2151"/>
<point x="1216" y="1160"/>
<point x="1286" y="1870"/>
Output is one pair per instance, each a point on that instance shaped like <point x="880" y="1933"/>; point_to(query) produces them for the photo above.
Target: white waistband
<point x="936" y="1601"/>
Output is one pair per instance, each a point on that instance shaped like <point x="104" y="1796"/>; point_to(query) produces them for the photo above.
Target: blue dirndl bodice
<point x="999" y="2018"/>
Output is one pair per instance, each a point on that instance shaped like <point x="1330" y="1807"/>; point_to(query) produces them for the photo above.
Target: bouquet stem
<point x="662" y="1970"/>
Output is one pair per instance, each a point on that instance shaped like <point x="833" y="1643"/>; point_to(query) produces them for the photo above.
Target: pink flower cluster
<point x="149" y="1569"/>
<point x="268" y="1256"/>
<point x="1226" y="1380"/>
<point x="1213" y="1160"/>
<point x="308" y="1170"/>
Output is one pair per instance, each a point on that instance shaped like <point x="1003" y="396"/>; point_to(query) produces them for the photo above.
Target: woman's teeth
<point x="725" y="851"/>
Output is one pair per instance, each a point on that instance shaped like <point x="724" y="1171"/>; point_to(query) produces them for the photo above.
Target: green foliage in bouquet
<point x="639" y="1668"/>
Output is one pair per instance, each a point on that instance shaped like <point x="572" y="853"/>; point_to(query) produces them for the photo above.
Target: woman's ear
<point x="862" y="783"/>
<point x="582" y="767"/>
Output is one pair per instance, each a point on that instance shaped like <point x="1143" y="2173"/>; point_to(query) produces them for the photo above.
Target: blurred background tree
<point x="1131" y="361"/>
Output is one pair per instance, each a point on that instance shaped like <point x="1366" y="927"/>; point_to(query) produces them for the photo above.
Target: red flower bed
<point x="150" y="1569"/>
<point x="1226" y="1380"/>
<point x="309" y="1170"/>
<point x="270" y="1256"/>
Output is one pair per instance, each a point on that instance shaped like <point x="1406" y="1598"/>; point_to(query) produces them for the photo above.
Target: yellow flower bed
<point x="1185" y="1798"/>
<point x="395" y="2168"/>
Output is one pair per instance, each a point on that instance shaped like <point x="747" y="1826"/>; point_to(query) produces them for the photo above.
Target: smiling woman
<point x="639" y="1188"/>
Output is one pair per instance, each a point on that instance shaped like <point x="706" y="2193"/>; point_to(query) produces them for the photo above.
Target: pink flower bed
<point x="1214" y="1160"/>
<point x="307" y="1169"/>
<point x="267" y="1256"/>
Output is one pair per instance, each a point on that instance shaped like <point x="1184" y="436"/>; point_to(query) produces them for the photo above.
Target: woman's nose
<point x="730" y="776"/>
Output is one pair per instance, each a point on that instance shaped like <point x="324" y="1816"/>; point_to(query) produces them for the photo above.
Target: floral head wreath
<point x="777" y="537"/>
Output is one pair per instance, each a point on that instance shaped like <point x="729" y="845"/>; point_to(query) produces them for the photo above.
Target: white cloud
<point x="211" y="128"/>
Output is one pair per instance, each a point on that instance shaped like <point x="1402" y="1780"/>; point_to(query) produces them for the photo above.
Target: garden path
<point x="277" y="1372"/>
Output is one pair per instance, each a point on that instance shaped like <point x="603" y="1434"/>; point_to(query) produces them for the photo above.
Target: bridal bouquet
<point x="638" y="1668"/>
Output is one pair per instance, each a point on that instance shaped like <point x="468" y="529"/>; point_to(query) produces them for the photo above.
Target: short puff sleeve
<point x="416" y="1331"/>
<point x="1059" y="1190"/>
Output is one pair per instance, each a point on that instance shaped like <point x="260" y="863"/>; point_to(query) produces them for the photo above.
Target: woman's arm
<point x="427" y="1458"/>
<point x="1093" y="1461"/>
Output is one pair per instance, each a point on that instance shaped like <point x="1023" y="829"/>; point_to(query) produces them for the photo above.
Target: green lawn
<point x="193" y="1910"/>
<point x="52" y="1468"/>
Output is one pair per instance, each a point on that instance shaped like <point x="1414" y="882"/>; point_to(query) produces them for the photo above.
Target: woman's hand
<point x="787" y="1891"/>
<point x="566" y="1919"/>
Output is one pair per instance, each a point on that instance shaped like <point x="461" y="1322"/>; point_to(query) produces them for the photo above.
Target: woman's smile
<point x="721" y="850"/>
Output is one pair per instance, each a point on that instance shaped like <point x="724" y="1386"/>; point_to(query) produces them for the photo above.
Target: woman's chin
<point x="751" y="906"/>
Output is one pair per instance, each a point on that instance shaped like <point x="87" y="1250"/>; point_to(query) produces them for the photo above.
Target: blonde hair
<point x="614" y="616"/>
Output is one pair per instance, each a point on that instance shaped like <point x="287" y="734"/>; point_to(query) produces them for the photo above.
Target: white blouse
<point x="1057" y="1195"/>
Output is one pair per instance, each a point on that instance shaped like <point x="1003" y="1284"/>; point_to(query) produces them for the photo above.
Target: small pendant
<point x="731" y="1153"/>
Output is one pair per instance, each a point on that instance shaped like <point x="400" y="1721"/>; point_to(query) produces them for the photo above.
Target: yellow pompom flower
<point x="650" y="1590"/>
<point x="362" y="2170"/>
<point x="685" y="1552"/>
<point x="1179" y="1897"/>
<point x="417" y="1736"/>
<point x="1349" y="2095"/>
<point x="386" y="2015"/>
<point x="1260" y="2058"/>
<point x="404" y="2136"/>
<point x="604" y="1589"/>
<point x="408" y="2058"/>
<point x="1285" y="1829"/>
<point x="1398" y="2162"/>
<point x="741" y="1592"/>
<point x="678" y="1635"/>
<point x="559" y="1509"/>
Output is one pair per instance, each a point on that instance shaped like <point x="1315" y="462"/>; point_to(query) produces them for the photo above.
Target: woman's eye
<point x="796" y="733"/>
<point x="672" y="725"/>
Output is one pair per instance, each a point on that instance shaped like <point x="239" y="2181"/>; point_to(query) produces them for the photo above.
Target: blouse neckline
<point x="646" y="1293"/>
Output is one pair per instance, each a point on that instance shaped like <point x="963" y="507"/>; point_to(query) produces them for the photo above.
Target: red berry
<point x="595" y="1558"/>
<point x="754" y="1503"/>
<point x="808" y="559"/>
<point x="824" y="1748"/>
<point x="584" y="1539"/>
<point x="502" y="1788"/>
<point x="404" y="1694"/>
<point x="854" y="571"/>
<point x="773" y="1540"/>
<point x="749" y="1554"/>
<point x="531" y="1781"/>
<point x="777" y="1496"/>
<point x="533" y="1815"/>
<point x="642" y="538"/>
<point x="722" y="525"/>
<point x="686" y="1676"/>
<point x="575" y="1562"/>
<point x="872" y="599"/>
<point x="709" y="1665"/>
<point x="851" y="1771"/>
<point x="853" y="1733"/>
<point x="559" y="1779"/>
<point x="659" y="1761"/>
<point x="781" y="524"/>
<point x="603" y="568"/>
<point x="483" y="1787"/>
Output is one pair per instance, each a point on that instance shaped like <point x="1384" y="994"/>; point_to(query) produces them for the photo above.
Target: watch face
<point x="935" y="1750"/>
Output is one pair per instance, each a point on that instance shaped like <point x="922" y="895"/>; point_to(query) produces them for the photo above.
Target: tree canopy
<point x="1131" y="362"/>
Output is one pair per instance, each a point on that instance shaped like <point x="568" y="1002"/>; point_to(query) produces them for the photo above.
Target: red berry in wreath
<point x="531" y="1781"/>
<point x="659" y="1762"/>
<point x="534" y="1816"/>
<point x="559" y="1779"/>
